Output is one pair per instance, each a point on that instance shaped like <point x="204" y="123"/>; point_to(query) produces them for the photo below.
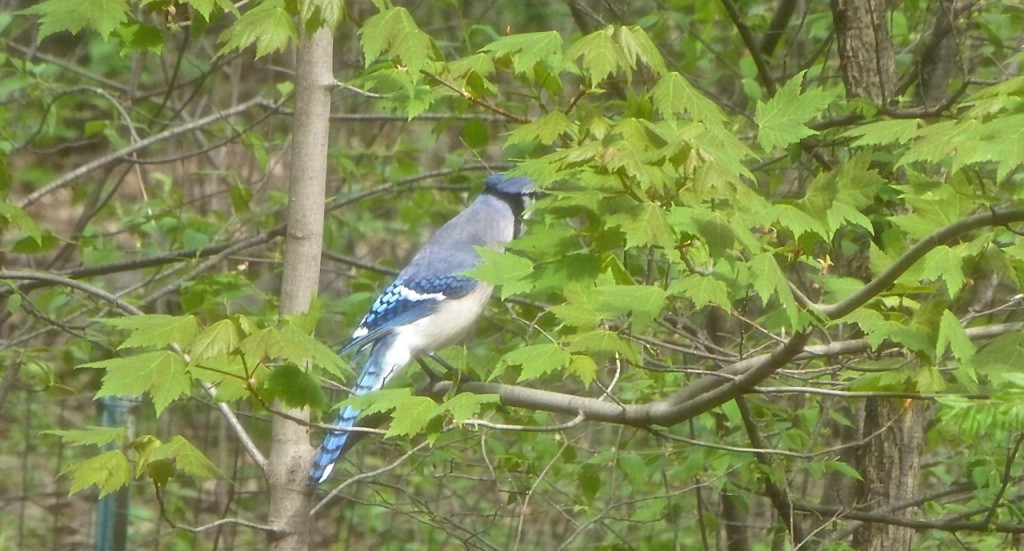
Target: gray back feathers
<point x="487" y="222"/>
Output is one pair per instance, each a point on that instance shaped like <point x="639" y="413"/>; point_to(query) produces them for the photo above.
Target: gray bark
<point x="890" y="465"/>
<point x="291" y="453"/>
<point x="865" y="48"/>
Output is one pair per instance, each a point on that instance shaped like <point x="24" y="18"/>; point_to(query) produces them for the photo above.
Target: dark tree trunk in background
<point x="865" y="48"/>
<point x="890" y="464"/>
<point x="889" y="460"/>
<point x="939" y="55"/>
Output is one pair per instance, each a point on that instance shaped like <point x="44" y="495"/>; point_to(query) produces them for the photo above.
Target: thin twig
<point x="475" y="100"/>
<point x="363" y="476"/>
<point x="232" y="419"/>
<point x="210" y="526"/>
<point x="73" y="176"/>
<point x="1007" y="469"/>
<point x="524" y="508"/>
<point x="578" y="420"/>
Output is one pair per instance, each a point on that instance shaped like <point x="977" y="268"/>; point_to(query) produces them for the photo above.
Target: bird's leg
<point x="452" y="372"/>
<point x="432" y="375"/>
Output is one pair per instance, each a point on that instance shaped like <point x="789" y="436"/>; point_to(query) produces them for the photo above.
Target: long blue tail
<point x="330" y="450"/>
<point x="378" y="370"/>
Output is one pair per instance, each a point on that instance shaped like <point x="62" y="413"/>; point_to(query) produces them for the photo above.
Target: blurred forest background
<point x="773" y="289"/>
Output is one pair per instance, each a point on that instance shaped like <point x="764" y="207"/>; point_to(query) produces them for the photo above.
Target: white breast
<point x="448" y="323"/>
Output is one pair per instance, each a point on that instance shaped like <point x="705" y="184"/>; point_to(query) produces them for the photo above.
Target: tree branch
<point x="702" y="395"/>
<point x="944" y="525"/>
<point x="763" y="71"/>
<point x="909" y="258"/>
<point x="73" y="176"/>
<point x="777" y="494"/>
<point x="716" y="388"/>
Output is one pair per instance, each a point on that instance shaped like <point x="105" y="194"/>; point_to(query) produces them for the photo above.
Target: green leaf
<point x="394" y="31"/>
<point x="476" y="134"/>
<point x="647" y="225"/>
<point x="929" y="380"/>
<point x="291" y="345"/>
<point x="91" y="436"/>
<point x="544" y="130"/>
<point x="584" y="368"/>
<point x="471" y="73"/>
<point x="783" y="120"/>
<point x="21" y="219"/>
<point x="644" y="302"/>
<point x="328" y="13"/>
<point x="160" y="373"/>
<point x="602" y="56"/>
<point x="508" y="271"/>
<point x="843" y="469"/>
<point x="589" y="481"/>
<point x="379" y="401"/>
<point x="300" y="344"/>
<point x="294" y="387"/>
<point x="935" y="205"/>
<point x="102" y="16"/>
<point x="465" y="405"/>
<point x="884" y="132"/>
<point x="187" y="458"/>
<point x="411" y="416"/>
<point x="1003" y="353"/>
<point x="768" y="280"/>
<point x="528" y="49"/>
<point x="615" y="49"/>
<point x="156" y="330"/>
<point x="635" y="468"/>
<point x="843" y="193"/>
<point x="953" y="335"/>
<point x="536" y="360"/>
<point x="205" y="7"/>
<point x="840" y="213"/>
<point x="946" y="264"/>
<point x="268" y="25"/>
<point x="138" y="37"/>
<point x="602" y="342"/>
<point x="108" y="471"/>
<point x="637" y="46"/>
<point x="230" y="374"/>
<point x="674" y="95"/>
<point x="305" y="322"/>
<point x="702" y="290"/>
<point x="5" y="179"/>
<point x="713" y="228"/>
<point x="935" y="143"/>
<point x="35" y="244"/>
<point x="578" y="312"/>
<point x="799" y="222"/>
<point x="219" y="339"/>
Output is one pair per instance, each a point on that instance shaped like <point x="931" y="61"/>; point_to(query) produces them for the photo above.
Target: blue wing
<point x="404" y="302"/>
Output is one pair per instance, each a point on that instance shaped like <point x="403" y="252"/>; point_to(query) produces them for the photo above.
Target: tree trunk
<point x="889" y="461"/>
<point x="865" y="48"/>
<point x="291" y="454"/>
<point x="937" y="62"/>
<point x="890" y="464"/>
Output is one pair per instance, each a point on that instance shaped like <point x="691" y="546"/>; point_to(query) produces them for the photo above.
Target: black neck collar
<point x="515" y="201"/>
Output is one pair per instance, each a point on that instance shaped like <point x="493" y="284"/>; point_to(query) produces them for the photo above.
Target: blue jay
<point x="432" y="302"/>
